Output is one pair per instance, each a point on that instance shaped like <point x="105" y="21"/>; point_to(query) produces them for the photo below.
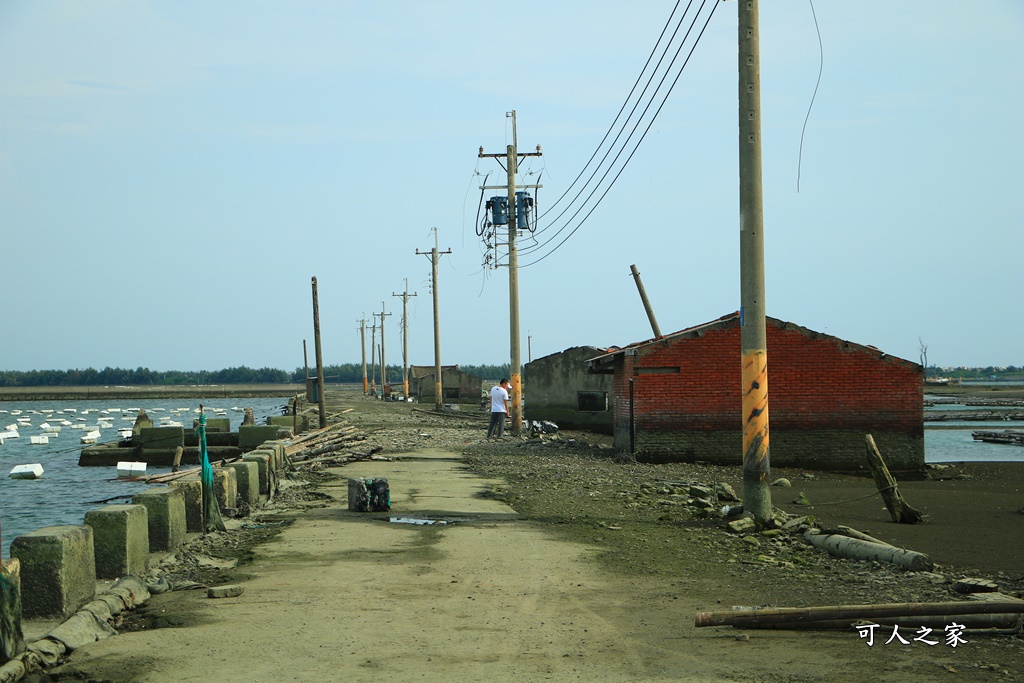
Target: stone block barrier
<point x="165" y="506"/>
<point x="58" y="570"/>
<point x="247" y="482"/>
<point x="192" y="489"/>
<point x="120" y="540"/>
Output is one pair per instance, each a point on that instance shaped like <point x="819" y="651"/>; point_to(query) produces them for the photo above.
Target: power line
<point x="624" y="103"/>
<point x="635" y="147"/>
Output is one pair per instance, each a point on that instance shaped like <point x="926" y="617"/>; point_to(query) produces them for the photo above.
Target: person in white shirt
<point x="499" y="409"/>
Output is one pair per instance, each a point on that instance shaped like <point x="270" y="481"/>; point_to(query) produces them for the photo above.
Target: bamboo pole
<point x="782" y="615"/>
<point x="993" y="623"/>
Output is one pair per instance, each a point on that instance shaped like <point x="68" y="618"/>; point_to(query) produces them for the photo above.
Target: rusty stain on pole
<point x="753" y="331"/>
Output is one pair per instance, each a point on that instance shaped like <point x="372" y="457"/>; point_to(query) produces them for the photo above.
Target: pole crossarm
<point x="434" y="255"/>
<point x="512" y="155"/>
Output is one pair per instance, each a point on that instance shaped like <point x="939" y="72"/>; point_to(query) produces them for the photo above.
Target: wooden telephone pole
<point x="646" y="302"/>
<point x="319" y="358"/>
<point x="753" y="332"/>
<point x="373" y="359"/>
<point x="512" y="156"/>
<point x="362" y="343"/>
<point x="434" y="253"/>
<point x="384" y="386"/>
<point x="405" y="337"/>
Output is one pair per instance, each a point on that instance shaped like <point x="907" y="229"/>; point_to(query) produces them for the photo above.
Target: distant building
<point x="457" y="386"/>
<point x="559" y="388"/>
<point x="678" y="398"/>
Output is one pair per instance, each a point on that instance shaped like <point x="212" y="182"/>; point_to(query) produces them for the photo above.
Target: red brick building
<point x="677" y="398"/>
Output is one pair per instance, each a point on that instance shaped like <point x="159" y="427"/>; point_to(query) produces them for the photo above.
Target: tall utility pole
<point x="362" y="342"/>
<point x="373" y="359"/>
<point x="405" y="337"/>
<point x="438" y="399"/>
<point x="305" y="364"/>
<point x="384" y="386"/>
<point x="646" y="301"/>
<point x="512" y="166"/>
<point x="319" y="358"/>
<point x="753" y="333"/>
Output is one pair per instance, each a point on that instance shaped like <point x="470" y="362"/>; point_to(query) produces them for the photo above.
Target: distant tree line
<point x="1006" y="373"/>
<point x="347" y="373"/>
<point x="139" y="377"/>
<point x="344" y="373"/>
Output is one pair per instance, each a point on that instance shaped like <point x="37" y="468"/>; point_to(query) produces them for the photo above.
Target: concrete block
<point x="165" y="506"/>
<point x="58" y="570"/>
<point x="120" y="540"/>
<point x="230" y="591"/>
<point x="215" y="425"/>
<point x="277" y="448"/>
<point x="162" y="438"/>
<point x="192" y="488"/>
<point x="225" y="487"/>
<point x="12" y="638"/>
<point x="262" y="461"/>
<point x="300" y="423"/>
<point x="251" y="436"/>
<point x="247" y="481"/>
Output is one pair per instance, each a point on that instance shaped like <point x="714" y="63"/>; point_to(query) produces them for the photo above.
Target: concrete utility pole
<point x="647" y="303"/>
<point x="405" y="337"/>
<point x="384" y="386"/>
<point x="512" y="167"/>
<point x="319" y="358"/>
<point x="438" y="398"/>
<point x="753" y="333"/>
<point x="373" y="359"/>
<point x="362" y="342"/>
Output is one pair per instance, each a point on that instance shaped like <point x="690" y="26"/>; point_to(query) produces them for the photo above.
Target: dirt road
<point x="489" y="596"/>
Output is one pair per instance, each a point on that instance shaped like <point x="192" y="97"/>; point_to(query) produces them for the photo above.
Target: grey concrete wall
<point x="470" y="387"/>
<point x="551" y="387"/>
<point x="58" y="570"/>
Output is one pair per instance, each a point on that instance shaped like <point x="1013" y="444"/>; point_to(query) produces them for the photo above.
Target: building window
<point x="592" y="401"/>
<point x="451" y="392"/>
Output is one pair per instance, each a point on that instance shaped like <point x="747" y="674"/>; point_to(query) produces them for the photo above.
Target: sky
<point x="174" y="172"/>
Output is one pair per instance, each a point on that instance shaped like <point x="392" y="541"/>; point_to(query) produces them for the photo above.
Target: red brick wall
<point x="816" y="384"/>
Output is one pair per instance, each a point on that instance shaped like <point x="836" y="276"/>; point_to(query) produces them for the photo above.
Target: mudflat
<point x="558" y="561"/>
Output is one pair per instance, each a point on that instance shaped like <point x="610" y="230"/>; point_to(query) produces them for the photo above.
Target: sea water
<point x="66" y="491"/>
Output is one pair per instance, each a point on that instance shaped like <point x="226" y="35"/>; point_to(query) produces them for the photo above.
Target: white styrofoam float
<point x="131" y="469"/>
<point x="33" y="471"/>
